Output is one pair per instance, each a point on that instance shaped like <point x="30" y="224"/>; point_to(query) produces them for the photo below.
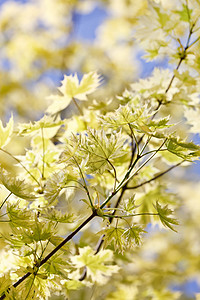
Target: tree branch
<point x="54" y="251"/>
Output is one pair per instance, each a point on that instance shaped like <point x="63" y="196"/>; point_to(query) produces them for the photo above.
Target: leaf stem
<point x="115" y="173"/>
<point x="84" y="185"/>
<point x="155" y="177"/>
<point x="78" y="107"/>
<point x="43" y="151"/>
<point x="2" y="204"/>
<point x="132" y="215"/>
<point x="8" y="153"/>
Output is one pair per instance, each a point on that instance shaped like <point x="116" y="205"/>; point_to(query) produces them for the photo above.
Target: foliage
<point x="90" y="196"/>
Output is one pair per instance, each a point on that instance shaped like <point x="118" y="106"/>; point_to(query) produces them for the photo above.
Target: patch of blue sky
<point x="85" y="25"/>
<point x="148" y="67"/>
<point x="21" y="1"/>
<point x="188" y="288"/>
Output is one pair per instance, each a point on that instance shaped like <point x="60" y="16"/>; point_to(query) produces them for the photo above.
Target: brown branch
<point x="54" y="251"/>
<point x="155" y="177"/>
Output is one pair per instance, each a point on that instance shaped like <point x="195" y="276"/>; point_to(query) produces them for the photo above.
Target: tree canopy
<point x="99" y="199"/>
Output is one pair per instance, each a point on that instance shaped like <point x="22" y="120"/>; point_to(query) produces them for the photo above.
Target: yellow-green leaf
<point x="5" y="132"/>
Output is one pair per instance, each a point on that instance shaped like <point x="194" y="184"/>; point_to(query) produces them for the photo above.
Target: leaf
<point x="123" y="238"/>
<point x="184" y="13"/>
<point x="41" y="231"/>
<point x="185" y="150"/>
<point x="47" y="125"/>
<point x="56" y="240"/>
<point x="129" y="205"/>
<point x="132" y="235"/>
<point x="163" y="18"/>
<point x="192" y="116"/>
<point x="20" y="217"/>
<point x="159" y="124"/>
<point x="56" y="265"/>
<point x="125" y="115"/>
<point x="5" y="132"/>
<point x="185" y="78"/>
<point x="164" y="215"/>
<point x="56" y="183"/>
<point x="18" y="187"/>
<point x="115" y="235"/>
<point x="5" y="283"/>
<point x="59" y="103"/>
<point x="72" y="284"/>
<point x="56" y="215"/>
<point x="97" y="264"/>
<point x="71" y="88"/>
<point x="100" y="149"/>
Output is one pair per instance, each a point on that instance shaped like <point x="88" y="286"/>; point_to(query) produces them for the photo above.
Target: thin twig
<point x="78" y="107"/>
<point x="131" y="215"/>
<point x="155" y="177"/>
<point x="2" y="204"/>
<point x="43" y="152"/>
<point x="84" y="182"/>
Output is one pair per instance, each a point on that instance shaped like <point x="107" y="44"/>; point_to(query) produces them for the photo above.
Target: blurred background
<point x="40" y="41"/>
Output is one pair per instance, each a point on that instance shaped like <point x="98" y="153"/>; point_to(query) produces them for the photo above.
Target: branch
<point x="78" y="107"/>
<point x="155" y="177"/>
<point x="131" y="215"/>
<point x="54" y="251"/>
<point x="182" y="58"/>
<point x="2" y="204"/>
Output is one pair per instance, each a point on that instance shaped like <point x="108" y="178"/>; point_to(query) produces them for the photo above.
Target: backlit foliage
<point x="95" y="202"/>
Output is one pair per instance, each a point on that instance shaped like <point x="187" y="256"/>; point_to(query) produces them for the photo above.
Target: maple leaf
<point x="5" y="132"/>
<point x="72" y="88"/>
<point x="164" y="215"/>
<point x="97" y="264"/>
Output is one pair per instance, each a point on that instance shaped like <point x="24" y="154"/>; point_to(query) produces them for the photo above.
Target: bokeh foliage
<point x="108" y="146"/>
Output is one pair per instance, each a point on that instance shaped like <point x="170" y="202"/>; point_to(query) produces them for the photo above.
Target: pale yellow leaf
<point x="5" y="132"/>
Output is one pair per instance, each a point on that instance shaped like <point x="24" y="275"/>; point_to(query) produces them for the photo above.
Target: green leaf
<point x="36" y="232"/>
<point x="47" y="124"/>
<point x="145" y="201"/>
<point x="5" y="132"/>
<point x="159" y="124"/>
<point x="185" y="150"/>
<point x="20" y="217"/>
<point x="115" y="235"/>
<point x="125" y="115"/>
<point x="123" y="238"/>
<point x="18" y="187"/>
<point x="185" y="78"/>
<point x="56" y="240"/>
<point x="184" y="13"/>
<point x="129" y="205"/>
<point x="56" y="183"/>
<point x="132" y="235"/>
<point x="56" y="265"/>
<point x="97" y="264"/>
<point x="57" y="216"/>
<point x="5" y="283"/>
<point x="72" y="88"/>
<point x="72" y="284"/>
<point x="163" y="18"/>
<point x="101" y="149"/>
<point x="164" y="215"/>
